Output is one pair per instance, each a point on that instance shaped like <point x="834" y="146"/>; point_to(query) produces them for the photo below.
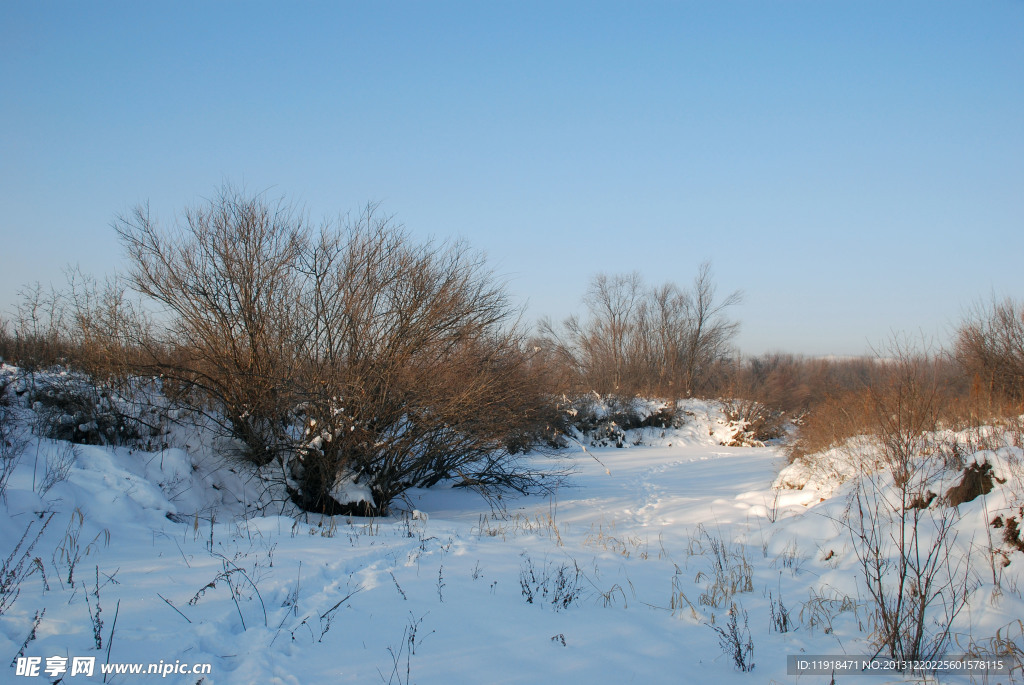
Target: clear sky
<point x="855" y="168"/>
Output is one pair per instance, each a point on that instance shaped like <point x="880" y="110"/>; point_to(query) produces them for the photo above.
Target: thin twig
<point x="173" y="607"/>
<point x="110" y="640"/>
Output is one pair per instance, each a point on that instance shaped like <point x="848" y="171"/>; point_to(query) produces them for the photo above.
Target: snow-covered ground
<point x="613" y="580"/>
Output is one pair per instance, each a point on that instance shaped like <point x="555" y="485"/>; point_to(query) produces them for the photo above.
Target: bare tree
<point x="613" y="303"/>
<point x="600" y="348"/>
<point x="637" y="339"/>
<point x="709" y="331"/>
<point x="662" y="339"/>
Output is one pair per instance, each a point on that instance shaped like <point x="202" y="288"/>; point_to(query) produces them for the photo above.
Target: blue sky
<point x="855" y="168"/>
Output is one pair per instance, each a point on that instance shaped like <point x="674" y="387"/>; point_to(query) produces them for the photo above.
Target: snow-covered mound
<point x="603" y="421"/>
<point x="945" y="455"/>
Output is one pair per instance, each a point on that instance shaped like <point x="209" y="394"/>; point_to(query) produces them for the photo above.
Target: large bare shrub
<point x="418" y="376"/>
<point x="351" y="360"/>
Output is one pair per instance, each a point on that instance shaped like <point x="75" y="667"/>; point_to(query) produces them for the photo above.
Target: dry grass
<point x="823" y="606"/>
<point x="1004" y="645"/>
<point x="625" y="545"/>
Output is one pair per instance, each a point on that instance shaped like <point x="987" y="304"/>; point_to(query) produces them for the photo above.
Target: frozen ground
<point x="614" y="580"/>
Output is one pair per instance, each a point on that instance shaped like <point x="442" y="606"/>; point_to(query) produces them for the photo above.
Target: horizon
<point x="855" y="171"/>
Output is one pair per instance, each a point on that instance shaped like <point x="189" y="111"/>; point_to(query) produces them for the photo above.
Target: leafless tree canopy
<point x="343" y="357"/>
<point x="226" y="282"/>
<point x="662" y="340"/>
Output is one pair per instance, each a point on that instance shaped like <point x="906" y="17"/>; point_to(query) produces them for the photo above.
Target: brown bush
<point x="990" y="347"/>
<point x="420" y="379"/>
<point x="760" y="422"/>
<point x="110" y="332"/>
<point x="897" y="397"/>
<point x="831" y="423"/>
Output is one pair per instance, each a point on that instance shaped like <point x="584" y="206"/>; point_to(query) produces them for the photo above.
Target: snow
<point x="346" y="489"/>
<point x="437" y="593"/>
